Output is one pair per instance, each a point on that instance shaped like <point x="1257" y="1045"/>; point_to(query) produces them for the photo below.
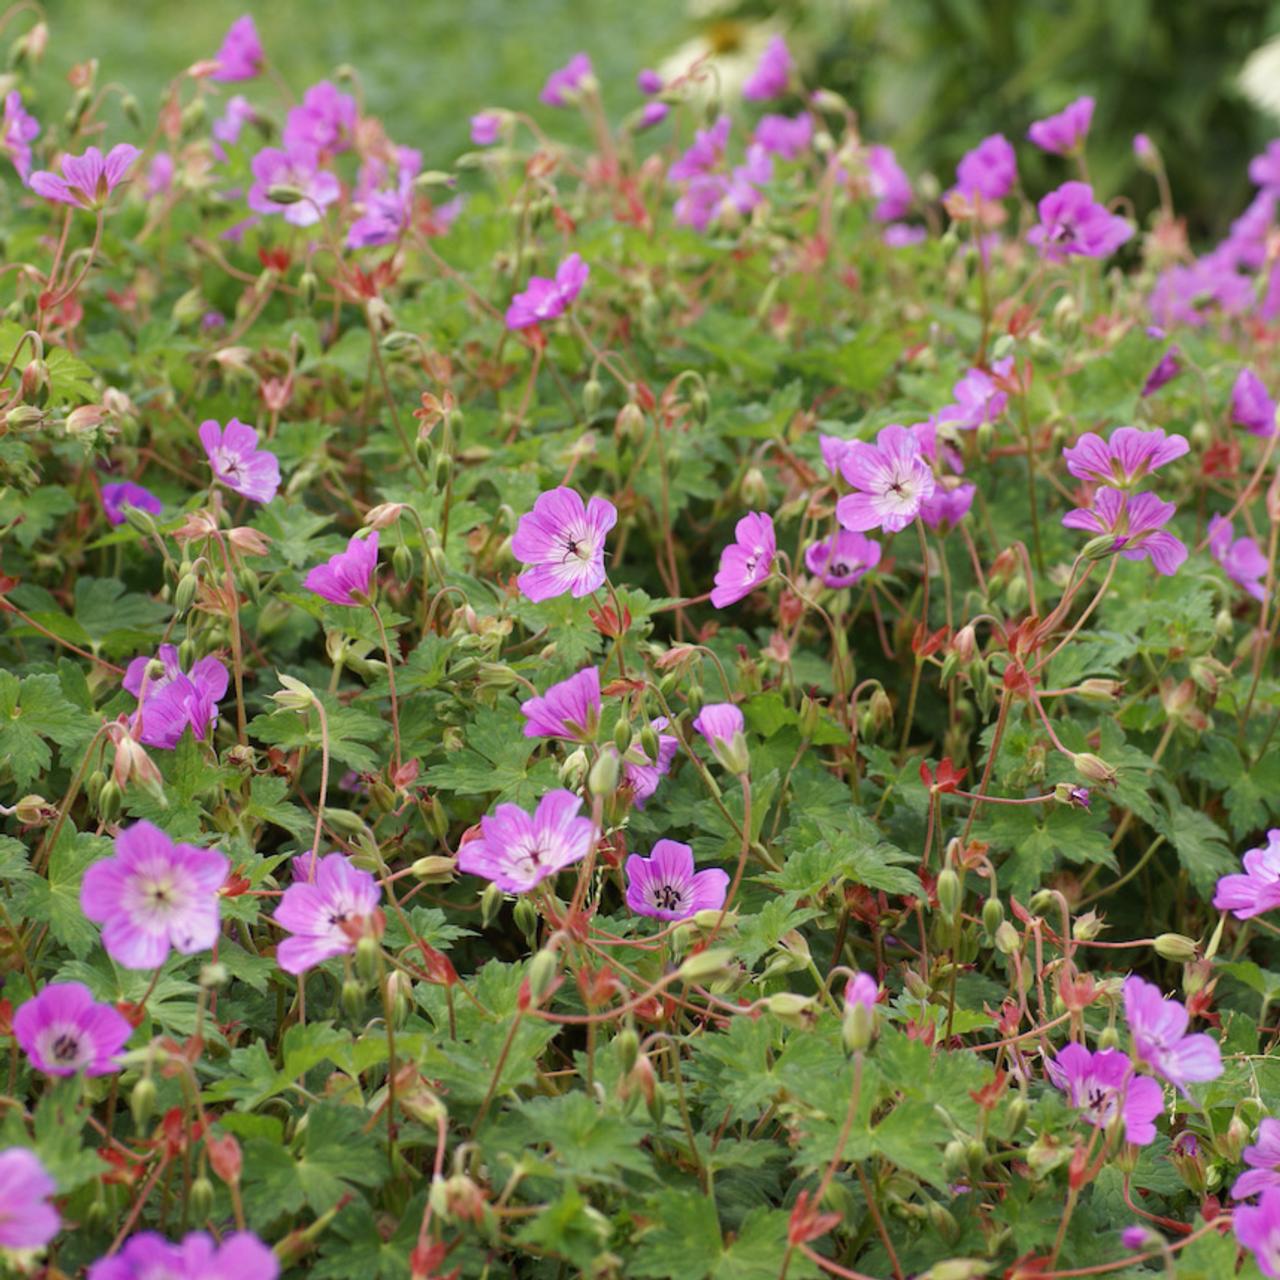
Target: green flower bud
<point x="1008" y="940"/>
<point x="93" y="787"/>
<point x="368" y="958"/>
<point x="526" y="918"/>
<point x="490" y="902"/>
<point x="622" y="736"/>
<point x="992" y="915"/>
<point x="402" y="563"/>
<point x="950" y="893"/>
<point x="543" y="969"/>
<point x="353" y="999"/>
<point x="142" y="1103"/>
<point x="627" y="1045"/>
<point x="603" y="777"/>
<point x="707" y="966"/>
<point x="110" y="803"/>
<point x="200" y="1199"/>
<point x="1174" y="946"/>
<point x="592" y="397"/>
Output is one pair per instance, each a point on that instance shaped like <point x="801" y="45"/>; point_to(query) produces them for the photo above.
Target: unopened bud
<point x="434" y="869"/>
<point x="284" y="193"/>
<point x="490" y="903"/>
<point x="992" y="915"/>
<point x="526" y="918"/>
<point x="142" y="1103"/>
<point x="574" y="768"/>
<point x="707" y="966"/>
<point x="603" y="777"/>
<point x="950" y="892"/>
<point x="368" y="958"/>
<point x="592" y="397"/>
<point x="200" y="1199"/>
<point x="1093" y="768"/>
<point x="543" y="969"/>
<point x="627" y="1046"/>
<point x="1174" y="946"/>
<point x="353" y="999"/>
<point x="1008" y="940"/>
<point x="790" y="1008"/>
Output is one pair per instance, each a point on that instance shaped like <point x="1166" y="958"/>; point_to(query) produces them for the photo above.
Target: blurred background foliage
<point x="929" y="77"/>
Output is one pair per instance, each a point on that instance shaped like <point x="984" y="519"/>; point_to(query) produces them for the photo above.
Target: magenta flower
<point x="948" y="504"/>
<point x="649" y="81"/>
<point x="64" y="1030"/>
<point x="1129" y="456"/>
<point x="544" y="299"/>
<point x="27" y="1219"/>
<point x="517" y="850"/>
<point x="989" y="170"/>
<point x="1251" y="406"/>
<point x="298" y="168"/>
<point x="18" y="130"/>
<point x="784" y="136"/>
<point x="86" y="180"/>
<point x="1137" y="522"/>
<point x="1158" y="1025"/>
<point x="562" y="542"/>
<point x="772" y="75"/>
<point x="901" y="235"/>
<point x="892" y="477"/>
<point x="1168" y="368"/>
<point x="1263" y="1159"/>
<point x="237" y="462"/>
<point x="148" y="1256"/>
<point x="640" y="773"/>
<point x="324" y="122"/>
<point x="1073" y="224"/>
<point x="978" y="398"/>
<point x="116" y="497"/>
<point x="665" y="885"/>
<point x="705" y="153"/>
<point x="834" y="451"/>
<point x="226" y="128"/>
<point x="570" y="709"/>
<point x="385" y="213"/>
<point x="721" y="726"/>
<point x="153" y="895"/>
<point x="653" y="113"/>
<point x="241" y="56"/>
<point x="1103" y="1085"/>
<point x="486" y="127"/>
<point x="324" y="908"/>
<point x="889" y="184"/>
<point x="1064" y="134"/>
<point x="347" y="578"/>
<point x="1242" y="560"/>
<point x="174" y="699"/>
<point x="1144" y="150"/>
<point x="568" y="81"/>
<point x="843" y="558"/>
<point x="159" y="175"/>
<point x="861" y="989"/>
<point x="1258" y="1229"/>
<point x="1256" y="891"/>
<point x="1188" y="294"/>
<point x="1264" y="170"/>
<point x="747" y="561"/>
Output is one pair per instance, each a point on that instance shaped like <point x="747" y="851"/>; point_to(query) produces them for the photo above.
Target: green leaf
<point x="33" y="710"/>
<point x="55" y="900"/>
<point x="682" y="1238"/>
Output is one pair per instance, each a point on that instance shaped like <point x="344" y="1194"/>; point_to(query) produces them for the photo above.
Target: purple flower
<point x="1144" y="149"/>
<point x="1185" y="294"/>
<point x="386" y="213"/>
<point x="1256" y="891"/>
<point x="323" y="908"/>
<point x="989" y="170"/>
<point x="1263" y="1159"/>
<point x="226" y="128"/>
<point x="115" y="497"/>
<point x="27" y="1219"/>
<point x="159" y="175"/>
<point x="153" y="895"/>
<point x="1129" y="456"/>
<point x="545" y="299"/>
<point x="562" y="542"/>
<point x="889" y="184"/>
<point x="1103" y="1085"/>
<point x="1246" y="245"/>
<point x="18" y="130"/>
<point x="747" y="561"/>
<point x="948" y="504"/>
<point x="1258" y="1227"/>
<point x="979" y="400"/>
<point x="862" y="989"/>
<point x="784" y="136"/>
<point x="1137" y="522"/>
<point x="568" y="81"/>
<point x="1136" y="1237"/>
<point x="570" y="709"/>
<point x="1242" y="560"/>
<point x="64" y="1030"/>
<point x="237" y="462"/>
<point x="1166" y="370"/>
<point x="901" y="235"/>
<point x="240" y="57"/>
<point x="485" y="128"/>
<point x="86" y="180"/>
<point x="640" y="773"/>
<point x="1158" y="1025"/>
<point x="665" y="885"/>
<point x="1264" y="170"/>
<point x="324" y="122"/>
<point x="347" y="578"/>
<point x="649" y="82"/>
<point x="1064" y="133"/>
<point x="705" y="153"/>
<point x="834" y="451"/>
<point x="517" y="850"/>
<point x="297" y="168"/>
<point x="148" y="1256"/>
<point x="174" y="699"/>
<point x="1251" y="406"/>
<point x="843" y="558"/>
<point x="893" y="479"/>
<point x="721" y="726"/>
<point x="772" y="75"/>
<point x="653" y="113"/>
<point x="1072" y="223"/>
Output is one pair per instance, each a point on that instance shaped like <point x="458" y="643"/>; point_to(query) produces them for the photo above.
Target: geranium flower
<point x="159" y="175"/>
<point x="747" y="561"/>
<point x="1073" y="224"/>
<point x="649" y="81"/>
<point x="385" y="212"/>
<point x="517" y="850"/>
<point x="324" y="909"/>
<point x="1103" y="1084"/>
<point x="1242" y="560"/>
<point x="241" y="56"/>
<point x="544" y="299"/>
<point x="237" y="462"/>
<point x="1168" y="368"/>
<point x="154" y="895"/>
<point x="116" y="497"/>
<point x="27" y="1219"/>
<point x="653" y="113"/>
<point x="704" y="154"/>
<point x="666" y="886"/>
<point x="1158" y="1025"/>
<point x="784" y="136"/>
<point x="149" y="1256"/>
<point x="325" y="122"/>
<point x="1129" y="456"/>
<point x="1263" y="1159"/>
<point x="1189" y="294"/>
<point x="772" y="75"/>
<point x="1251" y="406"/>
<point x="948" y="504"/>
<point x="641" y="774"/>
<point x="978" y="398"/>
<point x="486" y="127"/>
<point x="18" y="130"/>
<point x="1137" y="522"/>
<point x="989" y="170"/>
<point x="570" y="709"/>
<point x="843" y="558"/>
<point x="889" y="184"/>
<point x="1257" y="1227"/>
<point x="86" y="180"/>
<point x="567" y="82"/>
<point x="1064" y="133"/>
<point x="297" y="167"/>
<point x="563" y="543"/>
<point x="347" y="578"/>
<point x="1257" y="891"/>
<point x="64" y="1030"/>
<point x="893" y="479"/>
<point x="174" y="699"/>
<point x="721" y="726"/>
<point x="226" y="128"/>
<point x="1264" y="170"/>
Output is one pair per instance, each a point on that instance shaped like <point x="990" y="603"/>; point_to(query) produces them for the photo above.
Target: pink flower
<point x="979" y="400"/>
<point x="1168" y="368"/>
<point x="1129" y="456"/>
<point x="772" y="75"/>
<point x="386" y="212"/>
<point x="324" y="909"/>
<point x="18" y="130"/>
<point x="116" y="497"/>
<point x="544" y="299"/>
<point x="784" y="136"/>
<point x="27" y="1219"/>
<point x="1258" y="1227"/>
<point x="241" y="56"/>
<point x="237" y="462"/>
<point x="892" y="477"/>
<point x="843" y="558"/>
<point x="1137" y="520"/>
<point x="568" y="81"/>
<point x="1073" y="224"/>
<point x="153" y="895"/>
<point x="174" y="699"/>
<point x="1242" y="560"/>
<point x="989" y="170"/>
<point x="1103" y="1085"/>
<point x="324" y="122"/>
<point x="562" y="542"/>
<point x="705" y="153"/>
<point x="721" y="726"/>
<point x="653" y="113"/>
<point x="149" y="1256"/>
<point x="889" y="184"/>
<point x="86" y="180"/>
<point x="517" y="851"/>
<point x="1158" y="1025"/>
<point x="665" y="885"/>
<point x="347" y="578"/>
<point x="485" y="128"/>
<point x="1264" y="170"/>
<point x="570" y="709"/>
<point x="1251" y="406"/>
<point x="1064" y="134"/>
<point x="1263" y="1159"/>
<point x="64" y="1030"/>
<point x="159" y="175"/>
<point x="862" y="989"/>
<point x="649" y="82"/>
<point x="948" y="504"/>
<point x="639" y="772"/>
<point x="226" y="128"/>
<point x="1257" y="891"/>
<point x="747" y="561"/>
<point x="297" y="168"/>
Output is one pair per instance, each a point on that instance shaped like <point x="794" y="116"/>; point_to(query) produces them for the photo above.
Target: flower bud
<point x="592" y="397"/>
<point x="110" y="803"/>
<point x="603" y="777"/>
<point x="1093" y="768"/>
<point x="353" y="999"/>
<point x="368" y="958"/>
<point x="1174" y="946"/>
<point x="627" y="1047"/>
<point x="1008" y="940"/>
<point x="707" y="966"/>
<point x="526" y="918"/>
<point x="490" y="903"/>
<point x="285" y="193"/>
<point x="1096" y="689"/>
<point x="622" y="736"/>
<point x="142" y="1103"/>
<point x="434" y="869"/>
<point x="574" y="768"/>
<point x="754" y="490"/>
<point x="950" y="893"/>
<point x="790" y="1008"/>
<point x="858" y="1026"/>
<point x="992" y="915"/>
<point x="543" y="969"/>
<point x="200" y="1199"/>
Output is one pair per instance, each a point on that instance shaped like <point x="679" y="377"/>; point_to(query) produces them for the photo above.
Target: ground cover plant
<point x="682" y="705"/>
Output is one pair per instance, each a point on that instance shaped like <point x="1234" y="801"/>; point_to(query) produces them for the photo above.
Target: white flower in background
<point x="1260" y="77"/>
<point x="728" y="51"/>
